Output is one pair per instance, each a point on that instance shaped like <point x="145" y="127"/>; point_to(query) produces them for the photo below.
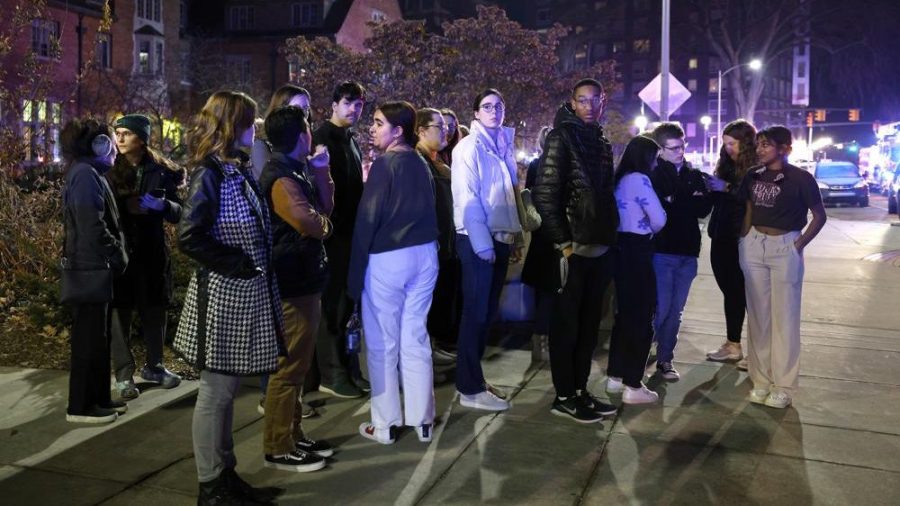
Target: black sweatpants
<point x="90" y="368"/>
<point x="636" y="305"/>
<point x="575" y="321"/>
<point x="723" y="256"/>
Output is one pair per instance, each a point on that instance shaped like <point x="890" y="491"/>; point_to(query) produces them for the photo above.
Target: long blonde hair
<point x="214" y="129"/>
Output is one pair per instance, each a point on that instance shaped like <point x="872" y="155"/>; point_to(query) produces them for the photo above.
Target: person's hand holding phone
<point x="154" y="200"/>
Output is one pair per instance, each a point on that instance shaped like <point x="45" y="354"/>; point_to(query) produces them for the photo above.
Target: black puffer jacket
<point x="573" y="190"/>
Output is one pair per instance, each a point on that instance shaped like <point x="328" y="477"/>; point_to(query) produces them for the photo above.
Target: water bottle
<point x="354" y="332"/>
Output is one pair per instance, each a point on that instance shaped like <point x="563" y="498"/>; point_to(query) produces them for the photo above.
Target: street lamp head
<point x="641" y="123"/>
<point x="705" y="121"/>
<point x="755" y="64"/>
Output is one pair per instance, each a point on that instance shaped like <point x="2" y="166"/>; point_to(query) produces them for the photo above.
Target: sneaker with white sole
<point x="727" y="352"/>
<point x="575" y="409"/>
<point x="383" y="436"/>
<point x="159" y="374"/>
<point x="94" y="415"/>
<point x="742" y="364"/>
<point x="424" y="432"/>
<point x="778" y="400"/>
<point x="614" y="385"/>
<point x="759" y="395"/>
<point x="296" y="461"/>
<point x="321" y="448"/>
<point x="486" y="400"/>
<point x="127" y="390"/>
<point x="667" y="371"/>
<point x="642" y="395"/>
<point x="595" y="404"/>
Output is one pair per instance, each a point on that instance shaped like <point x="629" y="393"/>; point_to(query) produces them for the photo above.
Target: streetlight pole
<point x="754" y="65"/>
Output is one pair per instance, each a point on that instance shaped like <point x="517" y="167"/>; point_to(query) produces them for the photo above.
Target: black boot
<point x="217" y="493"/>
<point x="242" y="489"/>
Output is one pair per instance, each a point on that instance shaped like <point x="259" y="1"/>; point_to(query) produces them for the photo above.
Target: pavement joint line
<point x="849" y="380"/>
<point x="474" y="439"/>
<point x="592" y="474"/>
<point x="143" y="479"/>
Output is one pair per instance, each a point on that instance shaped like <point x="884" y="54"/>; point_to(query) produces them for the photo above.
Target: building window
<point x="151" y="10"/>
<point x="693" y="63"/>
<point x="241" y="17"/>
<point x="641" y="46"/>
<point x="41" y="121"/>
<point x="714" y="85"/>
<point x="307" y="14"/>
<point x="104" y="50"/>
<point x="378" y="16"/>
<point x="692" y="85"/>
<point x="618" y="47"/>
<point x="691" y="130"/>
<point x="183" y="15"/>
<point x="543" y="15"/>
<point x="239" y="69"/>
<point x="45" y="38"/>
<point x="144" y="57"/>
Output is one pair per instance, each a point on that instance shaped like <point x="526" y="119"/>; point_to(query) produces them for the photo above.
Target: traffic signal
<point x="820" y="115"/>
<point x="853" y="115"/>
<point x="809" y="119"/>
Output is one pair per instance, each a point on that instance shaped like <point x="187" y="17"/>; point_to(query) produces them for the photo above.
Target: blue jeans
<point x="481" y="285"/>
<point x="674" y="275"/>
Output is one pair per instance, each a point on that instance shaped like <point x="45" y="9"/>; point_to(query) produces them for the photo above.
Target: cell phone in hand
<point x="159" y="193"/>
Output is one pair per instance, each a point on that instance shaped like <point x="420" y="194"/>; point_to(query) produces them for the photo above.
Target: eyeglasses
<point x="489" y="107"/>
<point x="439" y="127"/>
<point x="680" y="147"/>
<point x="595" y="101"/>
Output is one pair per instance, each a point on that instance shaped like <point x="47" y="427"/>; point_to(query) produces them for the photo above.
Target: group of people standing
<point x="290" y="244"/>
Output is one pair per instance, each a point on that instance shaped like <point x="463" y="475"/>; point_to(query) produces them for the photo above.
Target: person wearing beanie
<point x="146" y="187"/>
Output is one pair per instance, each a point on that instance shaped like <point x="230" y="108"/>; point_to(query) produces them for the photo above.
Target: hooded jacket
<point x="574" y="186"/>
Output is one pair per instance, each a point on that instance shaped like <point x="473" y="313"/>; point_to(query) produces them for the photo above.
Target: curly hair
<point x="225" y="116"/>
<point x="734" y="170"/>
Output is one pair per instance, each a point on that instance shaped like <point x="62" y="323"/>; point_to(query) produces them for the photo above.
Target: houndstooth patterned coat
<point x="228" y="325"/>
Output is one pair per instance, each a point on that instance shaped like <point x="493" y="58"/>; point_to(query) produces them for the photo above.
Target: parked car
<point x="840" y="182"/>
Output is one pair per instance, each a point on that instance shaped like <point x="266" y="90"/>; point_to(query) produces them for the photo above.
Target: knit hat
<point x="137" y="123"/>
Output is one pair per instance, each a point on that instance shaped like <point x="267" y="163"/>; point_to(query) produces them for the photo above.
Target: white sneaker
<point x="778" y="400"/>
<point x="424" y="432"/>
<point x="742" y="364"/>
<point x="726" y="352"/>
<point x="614" y="385"/>
<point x="484" y="400"/>
<point x="759" y="395"/>
<point x="641" y="395"/>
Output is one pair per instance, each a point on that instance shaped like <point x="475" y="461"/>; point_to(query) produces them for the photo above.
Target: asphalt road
<point x="876" y="212"/>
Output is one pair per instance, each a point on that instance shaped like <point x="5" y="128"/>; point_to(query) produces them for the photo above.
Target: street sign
<point x="652" y="93"/>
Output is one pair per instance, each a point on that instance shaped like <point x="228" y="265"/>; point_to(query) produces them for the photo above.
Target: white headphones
<point x="102" y="145"/>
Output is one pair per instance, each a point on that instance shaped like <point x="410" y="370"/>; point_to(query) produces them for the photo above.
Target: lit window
<point x="41" y="122"/>
<point x="641" y="46"/>
<point x="692" y="84"/>
<point x="693" y="63"/>
<point x="144" y="57"/>
<point x="618" y="47"/>
<point x="714" y="85"/>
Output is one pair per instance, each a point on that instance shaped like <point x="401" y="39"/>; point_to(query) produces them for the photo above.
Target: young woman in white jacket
<point x="483" y="182"/>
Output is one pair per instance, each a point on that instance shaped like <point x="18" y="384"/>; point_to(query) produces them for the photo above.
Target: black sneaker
<point x="596" y="404"/>
<point x="117" y="406"/>
<point x="242" y="489"/>
<point x="320" y="448"/>
<point x="297" y="461"/>
<point x="94" y="415"/>
<point x="575" y="410"/>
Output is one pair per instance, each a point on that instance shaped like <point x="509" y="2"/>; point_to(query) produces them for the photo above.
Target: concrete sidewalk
<point x="839" y="443"/>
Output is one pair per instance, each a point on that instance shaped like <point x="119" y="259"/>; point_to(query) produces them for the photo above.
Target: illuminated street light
<point x="821" y="143"/>
<point x="754" y="65"/>
<point x="640" y="123"/>
<point x="705" y="120"/>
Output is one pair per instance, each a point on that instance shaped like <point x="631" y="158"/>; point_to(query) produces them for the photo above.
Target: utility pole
<point x="664" y="55"/>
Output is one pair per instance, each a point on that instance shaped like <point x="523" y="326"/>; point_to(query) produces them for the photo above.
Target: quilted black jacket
<point x="574" y="187"/>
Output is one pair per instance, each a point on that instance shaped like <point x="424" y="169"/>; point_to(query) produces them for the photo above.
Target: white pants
<point x="773" y="276"/>
<point x="395" y="301"/>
